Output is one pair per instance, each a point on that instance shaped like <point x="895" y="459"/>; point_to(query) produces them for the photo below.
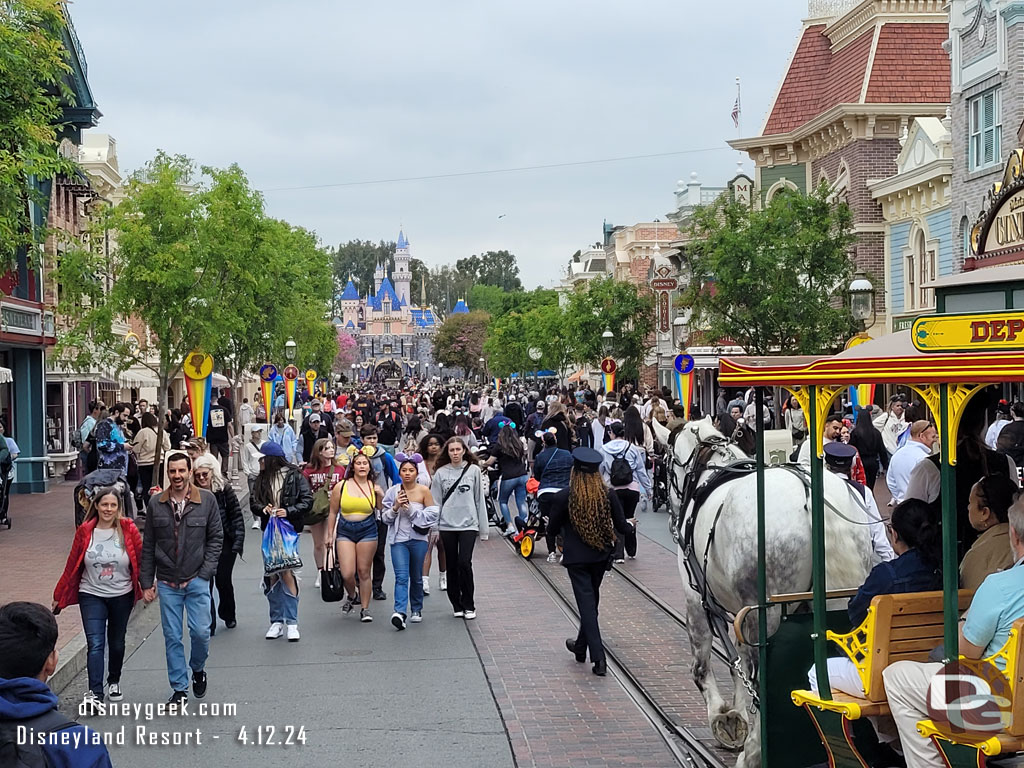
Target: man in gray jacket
<point x="180" y="550"/>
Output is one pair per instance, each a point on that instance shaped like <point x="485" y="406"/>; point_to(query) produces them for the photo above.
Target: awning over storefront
<point x="136" y="379"/>
<point x="6" y="375"/>
<point x="220" y="381"/>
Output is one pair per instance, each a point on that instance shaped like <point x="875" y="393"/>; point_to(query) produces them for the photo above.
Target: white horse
<point x="730" y="514"/>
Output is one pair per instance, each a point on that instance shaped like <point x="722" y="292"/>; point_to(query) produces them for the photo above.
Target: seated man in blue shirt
<point x="998" y="603"/>
<point x="28" y="656"/>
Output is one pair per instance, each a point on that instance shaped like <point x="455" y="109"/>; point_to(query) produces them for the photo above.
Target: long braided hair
<point x="589" y="510"/>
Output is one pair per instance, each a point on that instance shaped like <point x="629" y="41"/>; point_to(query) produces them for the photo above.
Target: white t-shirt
<point x="902" y="464"/>
<point x="107" y="569"/>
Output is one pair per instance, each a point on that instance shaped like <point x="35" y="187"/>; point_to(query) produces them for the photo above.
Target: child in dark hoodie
<point x="28" y="656"/>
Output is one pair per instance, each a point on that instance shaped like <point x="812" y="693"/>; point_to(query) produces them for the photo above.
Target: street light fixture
<point x="354" y="366"/>
<point x="607" y="340"/>
<point x="678" y="331"/>
<point x="289" y="350"/>
<point x="862" y="302"/>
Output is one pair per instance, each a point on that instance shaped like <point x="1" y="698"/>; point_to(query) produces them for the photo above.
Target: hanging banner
<point x="198" y="370"/>
<point x="608" y="368"/>
<point x="291" y="373"/>
<point x="684" y="365"/>
<point x="268" y="372"/>
<point x="311" y="382"/>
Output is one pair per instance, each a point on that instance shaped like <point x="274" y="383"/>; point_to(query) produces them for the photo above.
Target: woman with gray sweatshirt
<point x="457" y="488"/>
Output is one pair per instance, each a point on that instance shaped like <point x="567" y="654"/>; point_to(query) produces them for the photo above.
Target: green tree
<point x="487" y="298"/>
<point x="507" y="345"/>
<point x="605" y="304"/>
<point x="773" y="280"/>
<point x="459" y="342"/>
<point x="492" y="268"/>
<point x="358" y="259"/>
<point x="33" y="86"/>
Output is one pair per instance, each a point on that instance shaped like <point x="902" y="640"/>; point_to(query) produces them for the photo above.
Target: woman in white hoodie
<point x="457" y="487"/>
<point x="628" y="491"/>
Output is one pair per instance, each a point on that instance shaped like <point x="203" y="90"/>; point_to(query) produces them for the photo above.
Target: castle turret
<point x="402" y="276"/>
<point x="378" y="277"/>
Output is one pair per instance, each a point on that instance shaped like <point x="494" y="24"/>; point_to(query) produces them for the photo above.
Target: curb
<point x="71" y="658"/>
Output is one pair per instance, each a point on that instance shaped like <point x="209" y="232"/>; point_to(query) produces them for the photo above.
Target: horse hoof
<point x="730" y="729"/>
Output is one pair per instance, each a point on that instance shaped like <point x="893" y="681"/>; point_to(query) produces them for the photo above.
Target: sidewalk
<point x="33" y="552"/>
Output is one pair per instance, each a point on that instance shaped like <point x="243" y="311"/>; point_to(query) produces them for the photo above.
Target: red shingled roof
<point x="910" y="66"/>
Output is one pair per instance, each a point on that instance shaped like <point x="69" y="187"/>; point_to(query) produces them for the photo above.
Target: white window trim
<point x="974" y="161"/>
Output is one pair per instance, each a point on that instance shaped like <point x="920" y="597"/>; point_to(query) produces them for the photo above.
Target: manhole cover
<point x="354" y="652"/>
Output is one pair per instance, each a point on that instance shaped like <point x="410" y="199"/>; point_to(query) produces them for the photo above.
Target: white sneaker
<point x="398" y="621"/>
<point x="470" y="614"/>
<point x="316" y="584"/>
<point x="275" y="631"/>
<point x="416" y="617"/>
<point x="444" y="581"/>
<point x="256" y="524"/>
<point x="553" y="557"/>
<point x="459" y="614"/>
<point x="426" y="585"/>
<point x="91" y="704"/>
<point x="114" y="692"/>
<point x="293" y="633"/>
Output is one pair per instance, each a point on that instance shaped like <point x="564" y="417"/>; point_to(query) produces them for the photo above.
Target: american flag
<point x="736" y="112"/>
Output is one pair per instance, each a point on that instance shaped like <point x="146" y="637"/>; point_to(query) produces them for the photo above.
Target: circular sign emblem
<point x="684" y="363"/>
<point x="310" y="375"/>
<point x="535" y="354"/>
<point x="291" y="373"/>
<point x="268" y="372"/>
<point x="968" y="696"/>
<point x="198" y="365"/>
<point x="608" y="365"/>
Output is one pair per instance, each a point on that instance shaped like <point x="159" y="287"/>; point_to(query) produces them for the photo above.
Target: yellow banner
<point x="986" y="332"/>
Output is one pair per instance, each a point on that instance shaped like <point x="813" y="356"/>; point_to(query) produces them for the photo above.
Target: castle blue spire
<point x="350" y="294"/>
<point x="402" y="242"/>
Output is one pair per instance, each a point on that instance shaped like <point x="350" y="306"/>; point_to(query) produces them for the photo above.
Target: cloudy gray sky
<point x="325" y="92"/>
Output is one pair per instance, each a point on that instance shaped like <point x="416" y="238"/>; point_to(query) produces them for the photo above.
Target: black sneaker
<point x="398" y="620"/>
<point x="199" y="684"/>
<point x="380" y="594"/>
<point x="178" y="700"/>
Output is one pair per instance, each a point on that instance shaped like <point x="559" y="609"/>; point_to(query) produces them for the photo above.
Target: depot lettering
<point x="985" y="331"/>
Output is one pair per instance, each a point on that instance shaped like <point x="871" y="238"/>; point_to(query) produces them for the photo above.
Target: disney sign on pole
<point x="291" y="373"/>
<point x="198" y="370"/>
<point x="268" y="374"/>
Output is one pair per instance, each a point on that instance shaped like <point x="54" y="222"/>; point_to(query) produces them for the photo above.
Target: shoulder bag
<point x="332" y="586"/>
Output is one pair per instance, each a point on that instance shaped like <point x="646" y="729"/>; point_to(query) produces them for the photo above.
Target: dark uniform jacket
<point x="574" y="550"/>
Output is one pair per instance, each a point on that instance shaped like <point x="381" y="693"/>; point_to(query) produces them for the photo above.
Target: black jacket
<point x="179" y="551"/>
<point x="558" y="421"/>
<point x="574" y="550"/>
<point x="296" y="500"/>
<point x="309" y="437"/>
<point x="552" y="468"/>
<point x="231" y="518"/>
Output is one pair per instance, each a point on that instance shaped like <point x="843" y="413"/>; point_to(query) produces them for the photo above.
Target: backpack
<point x="76" y="439"/>
<point x="29" y="755"/>
<point x="621" y="472"/>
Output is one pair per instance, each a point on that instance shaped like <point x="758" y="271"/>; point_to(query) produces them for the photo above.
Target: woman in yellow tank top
<point x="352" y="530"/>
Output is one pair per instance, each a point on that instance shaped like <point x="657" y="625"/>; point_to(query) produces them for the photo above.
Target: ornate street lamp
<point x="862" y="302"/>
<point x="289" y="350"/>
<point x="607" y="341"/>
<point x="678" y="331"/>
<point x="354" y="374"/>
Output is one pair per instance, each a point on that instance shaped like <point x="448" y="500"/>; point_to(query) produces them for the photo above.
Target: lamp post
<point x="862" y="302"/>
<point x="607" y="341"/>
<point x="482" y="369"/>
<point x="354" y="374"/>
<point x="678" y="332"/>
<point x="289" y="350"/>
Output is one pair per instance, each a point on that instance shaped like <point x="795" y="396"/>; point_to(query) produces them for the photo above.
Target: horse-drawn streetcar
<point x="775" y="551"/>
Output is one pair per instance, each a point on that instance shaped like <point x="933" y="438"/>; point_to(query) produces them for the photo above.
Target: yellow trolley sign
<point x="985" y="332"/>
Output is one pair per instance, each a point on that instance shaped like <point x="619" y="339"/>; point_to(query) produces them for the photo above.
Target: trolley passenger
<point x="988" y="511"/>
<point x="587" y="514"/>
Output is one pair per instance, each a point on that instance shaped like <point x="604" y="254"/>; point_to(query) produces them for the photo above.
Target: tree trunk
<point x="161" y="415"/>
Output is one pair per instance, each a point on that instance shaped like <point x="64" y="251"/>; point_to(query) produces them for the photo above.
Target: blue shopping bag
<point x="280" y="546"/>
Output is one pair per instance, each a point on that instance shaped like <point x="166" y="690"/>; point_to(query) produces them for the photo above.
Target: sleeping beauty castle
<point x="395" y="336"/>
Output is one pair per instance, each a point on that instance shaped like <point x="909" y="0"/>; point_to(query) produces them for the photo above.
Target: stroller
<point x="490" y="480"/>
<point x="101" y="478"/>
<point x="535" y="526"/>
<point x="659" y="474"/>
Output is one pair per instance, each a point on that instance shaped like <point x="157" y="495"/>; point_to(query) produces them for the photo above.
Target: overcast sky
<point x="325" y="92"/>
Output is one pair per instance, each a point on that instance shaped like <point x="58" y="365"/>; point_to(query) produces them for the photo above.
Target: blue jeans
<point x="284" y="606"/>
<point x="509" y="486"/>
<point x="105" y="619"/>
<point x="194" y="599"/>
<point x="406" y="557"/>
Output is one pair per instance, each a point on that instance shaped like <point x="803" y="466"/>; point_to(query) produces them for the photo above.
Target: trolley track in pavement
<point x="660" y="685"/>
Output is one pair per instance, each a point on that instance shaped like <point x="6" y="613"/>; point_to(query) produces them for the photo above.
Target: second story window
<point x="983" y="114"/>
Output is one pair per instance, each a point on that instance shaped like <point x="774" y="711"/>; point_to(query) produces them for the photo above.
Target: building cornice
<point x="921" y="191"/>
<point x="855" y="22"/>
<point x="833" y="129"/>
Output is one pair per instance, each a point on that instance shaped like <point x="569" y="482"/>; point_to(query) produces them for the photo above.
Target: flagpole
<point x="739" y="121"/>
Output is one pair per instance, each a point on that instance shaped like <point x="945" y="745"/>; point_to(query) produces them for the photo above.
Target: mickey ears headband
<point x="502" y="424"/>
<point x="415" y="458"/>
<point x="366" y="450"/>
<point x="541" y="432"/>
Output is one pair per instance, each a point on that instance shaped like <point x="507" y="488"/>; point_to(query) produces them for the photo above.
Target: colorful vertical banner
<point x="862" y="396"/>
<point x="268" y="373"/>
<point x="497" y="384"/>
<point x="291" y="373"/>
<point x="198" y="370"/>
<point x="608" y="368"/>
<point x="684" y="365"/>
<point x="311" y="382"/>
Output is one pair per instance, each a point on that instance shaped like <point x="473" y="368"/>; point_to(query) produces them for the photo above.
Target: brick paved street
<point x="34" y="550"/>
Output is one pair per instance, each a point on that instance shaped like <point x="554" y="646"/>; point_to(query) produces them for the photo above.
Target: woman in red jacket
<point x="102" y="576"/>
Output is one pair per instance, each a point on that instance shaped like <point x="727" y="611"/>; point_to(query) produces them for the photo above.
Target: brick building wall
<point x="865" y="160"/>
<point x="970" y="190"/>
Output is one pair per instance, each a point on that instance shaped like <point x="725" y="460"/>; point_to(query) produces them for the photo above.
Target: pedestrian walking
<point x="207" y="476"/>
<point x="180" y="551"/>
<point x="219" y="431"/>
<point x="624" y="469"/>
<point x="551" y="468"/>
<point x="458" y="486"/>
<point x="588" y="515"/>
<point x="282" y="434"/>
<point x="430" y="450"/>
<point x="246" y="414"/>
<point x="85" y="432"/>
<point x="352" y="530"/>
<point x="409" y="513"/>
<point x="314" y="429"/>
<point x="281" y="491"/>
<point x="251" y="460"/>
<point x="322" y="474"/>
<point x="510" y="456"/>
<point x="101" y="575"/>
<point x="144" y="448"/>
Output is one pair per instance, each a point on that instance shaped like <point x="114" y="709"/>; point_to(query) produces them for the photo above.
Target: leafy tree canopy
<point x="492" y="268"/>
<point x="459" y="342"/>
<point x="773" y="280"/>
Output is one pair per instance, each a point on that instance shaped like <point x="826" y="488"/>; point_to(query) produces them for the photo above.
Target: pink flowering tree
<point x="459" y="342"/>
<point x="348" y="353"/>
